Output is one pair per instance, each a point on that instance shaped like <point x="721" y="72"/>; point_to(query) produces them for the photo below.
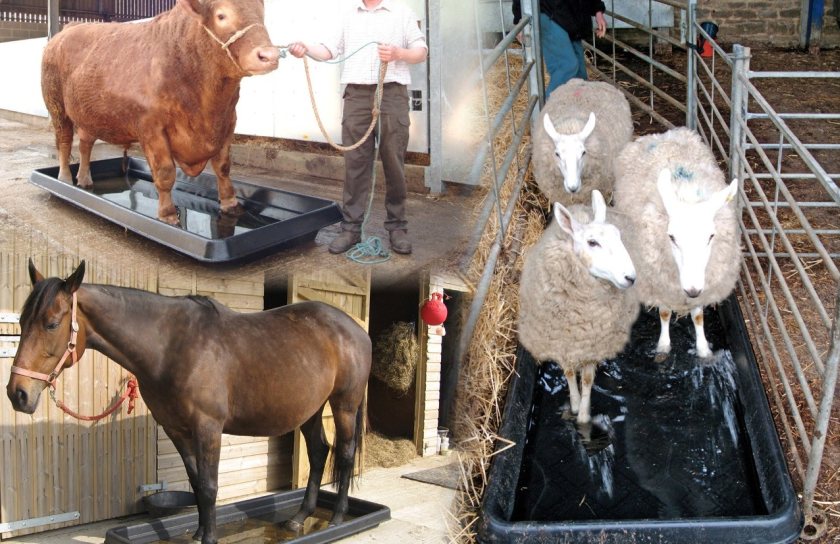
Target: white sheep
<point x="683" y="229"/>
<point x="572" y="307"/>
<point x="583" y="126"/>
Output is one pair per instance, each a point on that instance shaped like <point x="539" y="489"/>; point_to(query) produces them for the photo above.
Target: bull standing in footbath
<point x="171" y="84"/>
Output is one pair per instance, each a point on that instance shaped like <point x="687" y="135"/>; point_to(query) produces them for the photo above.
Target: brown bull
<point x="171" y="84"/>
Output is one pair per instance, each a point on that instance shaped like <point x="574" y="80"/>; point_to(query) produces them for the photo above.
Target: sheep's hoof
<point x="660" y="357"/>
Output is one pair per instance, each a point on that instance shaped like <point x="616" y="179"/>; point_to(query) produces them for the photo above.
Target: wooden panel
<point x="348" y="290"/>
<point x="52" y="463"/>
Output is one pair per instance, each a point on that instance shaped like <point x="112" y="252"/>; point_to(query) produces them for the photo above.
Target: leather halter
<point x="226" y="45"/>
<point x="71" y="351"/>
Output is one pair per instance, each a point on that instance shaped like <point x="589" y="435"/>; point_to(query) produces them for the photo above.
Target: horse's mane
<point x="43" y="293"/>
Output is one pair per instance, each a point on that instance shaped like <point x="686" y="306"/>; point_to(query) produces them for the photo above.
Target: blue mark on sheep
<point x="683" y="174"/>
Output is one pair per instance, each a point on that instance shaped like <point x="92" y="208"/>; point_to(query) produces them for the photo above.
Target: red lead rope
<point x="131" y="393"/>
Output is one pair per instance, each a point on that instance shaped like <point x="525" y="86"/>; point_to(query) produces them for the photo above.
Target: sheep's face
<point x="598" y="244"/>
<point x="570" y="152"/>
<point x="691" y="231"/>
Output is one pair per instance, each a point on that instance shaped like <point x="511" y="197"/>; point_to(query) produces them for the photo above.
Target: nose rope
<point x="226" y="45"/>
<point x="71" y="350"/>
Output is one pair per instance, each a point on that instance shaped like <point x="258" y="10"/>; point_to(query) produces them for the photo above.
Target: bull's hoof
<point x="233" y="208"/>
<point x="85" y="182"/>
<point x="171" y="220"/>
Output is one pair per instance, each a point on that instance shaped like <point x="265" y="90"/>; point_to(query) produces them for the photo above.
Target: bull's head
<point x="238" y="27"/>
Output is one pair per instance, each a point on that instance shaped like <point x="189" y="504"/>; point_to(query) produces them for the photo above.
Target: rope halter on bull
<point x="226" y="45"/>
<point x="130" y="392"/>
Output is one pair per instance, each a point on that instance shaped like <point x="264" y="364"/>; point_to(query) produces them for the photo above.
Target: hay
<point x="395" y="356"/>
<point x="381" y="451"/>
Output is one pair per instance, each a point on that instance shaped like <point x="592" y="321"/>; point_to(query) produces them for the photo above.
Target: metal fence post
<point x="809" y="486"/>
<point x="533" y="52"/>
<point x="737" y="116"/>
<point x="691" y="69"/>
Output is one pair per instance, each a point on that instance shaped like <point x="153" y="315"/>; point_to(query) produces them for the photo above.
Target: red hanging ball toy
<point x="433" y="311"/>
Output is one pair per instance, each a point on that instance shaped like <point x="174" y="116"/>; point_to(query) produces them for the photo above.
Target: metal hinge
<point x="6" y="317"/>
<point x="37" y="522"/>
<point x="160" y="486"/>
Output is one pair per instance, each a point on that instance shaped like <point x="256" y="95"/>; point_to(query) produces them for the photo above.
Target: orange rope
<point x="131" y="393"/>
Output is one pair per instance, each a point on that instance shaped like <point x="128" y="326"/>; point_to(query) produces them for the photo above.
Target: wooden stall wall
<point x="51" y="463"/>
<point x="348" y="290"/>
<point x="248" y="465"/>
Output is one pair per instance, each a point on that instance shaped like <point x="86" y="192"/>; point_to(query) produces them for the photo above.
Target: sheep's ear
<point x="549" y="128"/>
<point x="666" y="190"/>
<point x="564" y="219"/>
<point x="724" y="196"/>
<point x="599" y="206"/>
<point x="588" y="128"/>
<point x="34" y="275"/>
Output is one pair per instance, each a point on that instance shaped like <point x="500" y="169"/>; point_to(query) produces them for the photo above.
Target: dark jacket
<point x="574" y="16"/>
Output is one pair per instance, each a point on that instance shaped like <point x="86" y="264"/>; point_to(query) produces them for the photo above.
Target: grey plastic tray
<point x="266" y="510"/>
<point x="123" y="193"/>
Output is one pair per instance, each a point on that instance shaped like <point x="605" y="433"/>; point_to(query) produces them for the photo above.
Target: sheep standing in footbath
<point x="683" y="228"/>
<point x="574" y="306"/>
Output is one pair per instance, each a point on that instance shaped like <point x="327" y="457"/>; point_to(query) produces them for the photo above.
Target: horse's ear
<point x="34" y="275"/>
<point x="74" y="280"/>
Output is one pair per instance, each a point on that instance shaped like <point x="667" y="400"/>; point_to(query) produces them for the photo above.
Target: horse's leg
<point x="208" y="443"/>
<point x="184" y="445"/>
<point x="345" y="448"/>
<point x="317" y="450"/>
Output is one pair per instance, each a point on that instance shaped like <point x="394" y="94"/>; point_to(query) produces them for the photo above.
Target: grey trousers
<point x="358" y="164"/>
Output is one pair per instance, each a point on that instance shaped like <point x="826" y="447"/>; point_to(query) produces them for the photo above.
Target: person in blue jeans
<point x="563" y="24"/>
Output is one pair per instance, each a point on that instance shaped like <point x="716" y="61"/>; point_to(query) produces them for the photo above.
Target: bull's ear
<point x="74" y="280"/>
<point x="34" y="275"/>
<point x="193" y="7"/>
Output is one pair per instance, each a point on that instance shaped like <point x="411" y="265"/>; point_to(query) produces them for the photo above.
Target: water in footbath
<point x="198" y="214"/>
<point x="667" y="439"/>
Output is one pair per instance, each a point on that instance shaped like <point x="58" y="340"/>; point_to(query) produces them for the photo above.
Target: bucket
<point x="705" y="47"/>
<point x="169" y="503"/>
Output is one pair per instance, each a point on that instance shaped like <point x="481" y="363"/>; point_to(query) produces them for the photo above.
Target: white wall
<point x="276" y="104"/>
<point x="21" y="88"/>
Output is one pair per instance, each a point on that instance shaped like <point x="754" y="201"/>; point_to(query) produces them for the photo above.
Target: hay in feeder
<point x="381" y="451"/>
<point x="395" y="356"/>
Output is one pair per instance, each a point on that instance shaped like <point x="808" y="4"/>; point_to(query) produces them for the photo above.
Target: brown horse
<point x="205" y="370"/>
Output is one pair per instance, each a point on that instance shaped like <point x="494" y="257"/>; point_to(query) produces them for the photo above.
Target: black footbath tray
<point x="363" y="515"/>
<point x="679" y="451"/>
<point x="272" y="219"/>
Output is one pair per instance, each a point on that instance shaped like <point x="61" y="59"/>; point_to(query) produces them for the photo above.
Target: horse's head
<point x="47" y="340"/>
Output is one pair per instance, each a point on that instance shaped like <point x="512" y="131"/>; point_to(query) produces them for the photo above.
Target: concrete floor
<point x="419" y="511"/>
<point x="437" y="224"/>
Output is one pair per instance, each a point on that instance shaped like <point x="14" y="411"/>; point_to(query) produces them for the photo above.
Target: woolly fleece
<point x="566" y="315"/>
<point x="569" y="107"/>
<point x="696" y="176"/>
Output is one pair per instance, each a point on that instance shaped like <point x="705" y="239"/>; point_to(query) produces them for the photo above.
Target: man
<point x="395" y="29"/>
<point x="563" y="24"/>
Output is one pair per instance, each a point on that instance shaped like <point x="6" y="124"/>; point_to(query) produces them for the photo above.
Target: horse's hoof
<point x="294" y="526"/>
